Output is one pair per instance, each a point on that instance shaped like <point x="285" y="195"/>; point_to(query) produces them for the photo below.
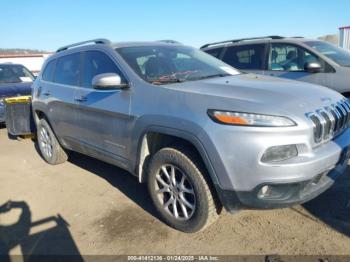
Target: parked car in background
<point x="296" y="58"/>
<point x="200" y="133"/>
<point x="15" y="80"/>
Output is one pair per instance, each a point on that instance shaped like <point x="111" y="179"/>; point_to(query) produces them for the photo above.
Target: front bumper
<point x="241" y="173"/>
<point x="237" y="151"/>
<point x="289" y="194"/>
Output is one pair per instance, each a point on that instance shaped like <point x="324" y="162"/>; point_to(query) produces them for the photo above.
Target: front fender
<point x="189" y="131"/>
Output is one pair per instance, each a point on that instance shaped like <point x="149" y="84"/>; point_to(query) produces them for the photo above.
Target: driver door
<point x="288" y="61"/>
<point x="103" y="115"/>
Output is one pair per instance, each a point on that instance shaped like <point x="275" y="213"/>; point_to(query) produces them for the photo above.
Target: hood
<point x="268" y="93"/>
<point x="15" y="89"/>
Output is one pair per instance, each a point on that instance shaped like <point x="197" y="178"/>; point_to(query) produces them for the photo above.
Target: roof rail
<point x="169" y="41"/>
<point x="96" y="41"/>
<point x="243" y="39"/>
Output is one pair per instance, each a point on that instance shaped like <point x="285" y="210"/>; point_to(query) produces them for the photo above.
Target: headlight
<point x="2" y="102"/>
<point x="249" y="119"/>
<point x="279" y="153"/>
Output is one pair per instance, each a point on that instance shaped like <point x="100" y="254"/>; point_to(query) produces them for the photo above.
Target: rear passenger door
<point x="103" y="115"/>
<point x="60" y="79"/>
<point x="248" y="58"/>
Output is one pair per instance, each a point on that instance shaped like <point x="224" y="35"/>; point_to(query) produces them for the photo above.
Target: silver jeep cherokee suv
<point x="199" y="132"/>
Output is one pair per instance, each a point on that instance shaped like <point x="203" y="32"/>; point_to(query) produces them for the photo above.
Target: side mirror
<point x="108" y="81"/>
<point x="312" y="67"/>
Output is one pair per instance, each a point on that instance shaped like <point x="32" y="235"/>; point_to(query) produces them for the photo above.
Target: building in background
<point x="344" y="37"/>
<point x="32" y="61"/>
<point x="333" y="39"/>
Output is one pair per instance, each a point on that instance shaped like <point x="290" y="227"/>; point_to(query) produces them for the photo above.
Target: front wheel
<point x="180" y="191"/>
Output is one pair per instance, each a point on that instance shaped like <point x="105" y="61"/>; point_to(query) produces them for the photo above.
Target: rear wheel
<point x="180" y="190"/>
<point x="50" y="149"/>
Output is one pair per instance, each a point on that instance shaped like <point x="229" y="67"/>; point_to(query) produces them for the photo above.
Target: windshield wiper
<point x="213" y="76"/>
<point x="166" y="81"/>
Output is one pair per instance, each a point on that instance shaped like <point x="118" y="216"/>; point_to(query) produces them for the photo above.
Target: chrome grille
<point x="330" y="121"/>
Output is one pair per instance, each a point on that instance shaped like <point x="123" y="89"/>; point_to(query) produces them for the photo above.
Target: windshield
<point x="337" y="54"/>
<point x="14" y="74"/>
<point x="172" y="64"/>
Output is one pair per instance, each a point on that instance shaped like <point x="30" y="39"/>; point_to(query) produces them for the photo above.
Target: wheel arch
<point x="40" y="111"/>
<point x="155" y="138"/>
<point x="38" y="115"/>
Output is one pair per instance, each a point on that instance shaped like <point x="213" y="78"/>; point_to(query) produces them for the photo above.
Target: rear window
<point x="68" y="70"/>
<point x="245" y="57"/>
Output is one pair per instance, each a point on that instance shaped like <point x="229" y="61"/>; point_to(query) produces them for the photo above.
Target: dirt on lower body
<point x="86" y="207"/>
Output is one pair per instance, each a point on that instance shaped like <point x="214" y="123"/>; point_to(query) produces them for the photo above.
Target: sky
<point x="47" y="25"/>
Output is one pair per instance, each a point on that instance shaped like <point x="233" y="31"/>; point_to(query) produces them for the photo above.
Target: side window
<point x="68" y="70"/>
<point x="214" y="52"/>
<point x="245" y="57"/>
<point x="95" y="63"/>
<point x="287" y="57"/>
<point x="48" y="71"/>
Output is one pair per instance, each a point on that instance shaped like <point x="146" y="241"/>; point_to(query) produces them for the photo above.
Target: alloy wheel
<point x="45" y="142"/>
<point x="175" y="192"/>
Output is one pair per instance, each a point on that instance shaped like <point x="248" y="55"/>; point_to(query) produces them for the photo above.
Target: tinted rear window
<point x="245" y="57"/>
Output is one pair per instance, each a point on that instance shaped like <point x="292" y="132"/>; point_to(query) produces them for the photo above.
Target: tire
<point x="49" y="147"/>
<point x="194" y="188"/>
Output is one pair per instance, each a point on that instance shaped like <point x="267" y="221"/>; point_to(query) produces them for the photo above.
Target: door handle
<point x="47" y="93"/>
<point x="80" y="99"/>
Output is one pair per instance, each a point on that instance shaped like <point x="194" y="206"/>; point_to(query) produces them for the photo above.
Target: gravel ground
<point x="88" y="207"/>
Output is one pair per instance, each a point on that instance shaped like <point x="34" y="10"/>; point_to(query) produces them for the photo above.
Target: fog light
<point x="279" y="153"/>
<point x="277" y="192"/>
<point x="268" y="192"/>
<point x="264" y="192"/>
